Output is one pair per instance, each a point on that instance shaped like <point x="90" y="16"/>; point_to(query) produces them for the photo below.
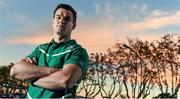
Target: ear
<point x="74" y="25"/>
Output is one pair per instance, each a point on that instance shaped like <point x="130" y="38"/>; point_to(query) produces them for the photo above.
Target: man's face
<point x="63" y="22"/>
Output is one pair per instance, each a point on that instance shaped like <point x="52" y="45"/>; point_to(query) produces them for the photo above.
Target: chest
<point x="52" y="57"/>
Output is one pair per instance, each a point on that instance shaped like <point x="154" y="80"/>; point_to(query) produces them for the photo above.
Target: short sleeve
<point x="35" y="54"/>
<point x="78" y="57"/>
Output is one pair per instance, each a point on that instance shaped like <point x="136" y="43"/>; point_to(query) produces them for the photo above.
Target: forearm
<point x="55" y="81"/>
<point x="27" y="71"/>
<point x="65" y="78"/>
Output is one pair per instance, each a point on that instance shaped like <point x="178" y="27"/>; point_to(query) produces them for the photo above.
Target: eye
<point x="67" y="18"/>
<point x="58" y="17"/>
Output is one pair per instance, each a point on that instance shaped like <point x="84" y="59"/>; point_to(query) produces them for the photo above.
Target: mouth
<point x="60" y="27"/>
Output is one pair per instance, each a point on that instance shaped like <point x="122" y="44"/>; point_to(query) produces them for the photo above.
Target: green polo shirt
<point x="56" y="55"/>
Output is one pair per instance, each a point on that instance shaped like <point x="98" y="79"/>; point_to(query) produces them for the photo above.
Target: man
<point x="54" y="69"/>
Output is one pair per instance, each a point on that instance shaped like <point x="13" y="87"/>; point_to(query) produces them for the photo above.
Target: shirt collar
<point x="67" y="43"/>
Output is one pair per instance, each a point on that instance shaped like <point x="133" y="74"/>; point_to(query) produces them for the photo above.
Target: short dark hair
<point x="67" y="7"/>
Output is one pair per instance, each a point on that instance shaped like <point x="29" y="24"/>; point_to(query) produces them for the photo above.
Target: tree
<point x="137" y="66"/>
<point x="133" y="60"/>
<point x="168" y="66"/>
<point x="9" y="84"/>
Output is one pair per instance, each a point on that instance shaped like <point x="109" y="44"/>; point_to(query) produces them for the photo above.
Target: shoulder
<point x="79" y="56"/>
<point x="80" y="52"/>
<point x="77" y="48"/>
<point x="42" y="46"/>
<point x="73" y="48"/>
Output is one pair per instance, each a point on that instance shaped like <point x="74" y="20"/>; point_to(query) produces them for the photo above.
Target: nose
<point x="61" y="20"/>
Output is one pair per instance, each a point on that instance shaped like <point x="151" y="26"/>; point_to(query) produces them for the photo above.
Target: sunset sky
<point x="24" y="24"/>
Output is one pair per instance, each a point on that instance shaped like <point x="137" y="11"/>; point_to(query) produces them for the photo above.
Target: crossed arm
<point x="46" y="77"/>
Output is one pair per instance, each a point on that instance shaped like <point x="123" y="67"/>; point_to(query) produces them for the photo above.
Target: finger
<point x="27" y="60"/>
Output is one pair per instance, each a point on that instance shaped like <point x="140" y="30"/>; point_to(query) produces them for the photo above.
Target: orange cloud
<point x="32" y="39"/>
<point x="153" y="22"/>
<point x="95" y="36"/>
<point x="98" y="36"/>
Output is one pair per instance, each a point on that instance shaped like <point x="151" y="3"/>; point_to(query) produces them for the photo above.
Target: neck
<point x="58" y="38"/>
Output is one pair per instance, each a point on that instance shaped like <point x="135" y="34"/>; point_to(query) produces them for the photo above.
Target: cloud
<point x="31" y="39"/>
<point x="153" y="22"/>
<point x="99" y="33"/>
<point x="108" y="9"/>
<point x="159" y="13"/>
<point x="140" y="8"/>
<point x="97" y="8"/>
<point x="21" y="17"/>
<point x="95" y="36"/>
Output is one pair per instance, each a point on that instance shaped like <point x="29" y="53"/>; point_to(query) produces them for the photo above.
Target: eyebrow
<point x="58" y="15"/>
<point x="62" y="15"/>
